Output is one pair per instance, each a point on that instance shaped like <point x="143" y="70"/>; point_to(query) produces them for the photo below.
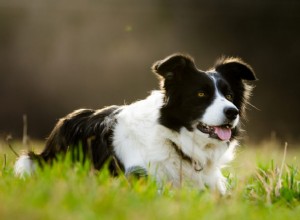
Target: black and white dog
<point x="186" y="131"/>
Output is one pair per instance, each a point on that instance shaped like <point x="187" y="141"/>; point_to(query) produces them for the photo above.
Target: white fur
<point x="24" y="166"/>
<point x="139" y="140"/>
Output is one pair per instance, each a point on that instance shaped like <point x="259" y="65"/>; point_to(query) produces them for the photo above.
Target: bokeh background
<point x="59" y="55"/>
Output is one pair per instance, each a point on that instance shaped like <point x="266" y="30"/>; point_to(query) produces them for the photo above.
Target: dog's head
<point x="210" y="101"/>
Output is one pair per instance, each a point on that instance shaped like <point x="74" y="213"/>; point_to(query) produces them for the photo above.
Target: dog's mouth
<point x="221" y="132"/>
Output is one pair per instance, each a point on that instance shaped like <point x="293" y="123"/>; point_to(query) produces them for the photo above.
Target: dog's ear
<point x="235" y="67"/>
<point x="172" y="67"/>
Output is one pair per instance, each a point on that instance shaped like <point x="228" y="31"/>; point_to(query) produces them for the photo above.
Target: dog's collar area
<point x="194" y="163"/>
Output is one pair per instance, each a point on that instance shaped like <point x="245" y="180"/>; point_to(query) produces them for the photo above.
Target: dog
<point x="184" y="132"/>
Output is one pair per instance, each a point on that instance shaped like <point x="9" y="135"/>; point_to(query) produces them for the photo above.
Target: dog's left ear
<point x="172" y="67"/>
<point x="235" y="67"/>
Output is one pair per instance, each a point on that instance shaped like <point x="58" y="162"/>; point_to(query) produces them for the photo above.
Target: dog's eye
<point x="201" y="94"/>
<point x="229" y="97"/>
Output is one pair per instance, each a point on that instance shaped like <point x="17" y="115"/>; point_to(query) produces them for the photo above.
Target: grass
<point x="264" y="184"/>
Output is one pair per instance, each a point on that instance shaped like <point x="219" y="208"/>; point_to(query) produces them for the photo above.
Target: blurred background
<point x="60" y="55"/>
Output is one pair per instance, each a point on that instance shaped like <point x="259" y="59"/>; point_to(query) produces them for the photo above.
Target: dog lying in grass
<point x="185" y="131"/>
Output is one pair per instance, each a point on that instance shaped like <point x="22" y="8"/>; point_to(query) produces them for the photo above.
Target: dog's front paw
<point x="136" y="172"/>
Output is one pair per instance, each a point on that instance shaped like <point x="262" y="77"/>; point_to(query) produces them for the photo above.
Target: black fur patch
<point x="85" y="133"/>
<point x="182" y="81"/>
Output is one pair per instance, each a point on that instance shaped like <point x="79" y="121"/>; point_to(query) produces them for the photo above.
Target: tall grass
<point x="272" y="184"/>
<point x="264" y="183"/>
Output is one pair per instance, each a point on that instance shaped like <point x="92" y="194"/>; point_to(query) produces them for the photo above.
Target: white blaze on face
<point x="214" y="114"/>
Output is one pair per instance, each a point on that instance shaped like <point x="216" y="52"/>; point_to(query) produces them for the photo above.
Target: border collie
<point x="186" y="131"/>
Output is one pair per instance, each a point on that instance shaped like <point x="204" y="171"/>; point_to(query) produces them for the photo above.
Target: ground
<point x="263" y="184"/>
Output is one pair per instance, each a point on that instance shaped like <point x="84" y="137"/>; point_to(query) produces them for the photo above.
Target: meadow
<point x="264" y="183"/>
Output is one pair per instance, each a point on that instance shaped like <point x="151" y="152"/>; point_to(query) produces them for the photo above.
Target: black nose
<point x="231" y="113"/>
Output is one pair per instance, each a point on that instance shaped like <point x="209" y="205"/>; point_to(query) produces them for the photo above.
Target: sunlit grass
<point x="264" y="184"/>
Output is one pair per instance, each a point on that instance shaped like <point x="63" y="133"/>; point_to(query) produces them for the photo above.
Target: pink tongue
<point x="223" y="133"/>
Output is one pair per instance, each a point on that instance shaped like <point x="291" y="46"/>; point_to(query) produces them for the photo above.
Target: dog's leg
<point x="129" y="153"/>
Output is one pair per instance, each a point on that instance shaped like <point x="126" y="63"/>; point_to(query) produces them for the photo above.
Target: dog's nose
<point x="231" y="113"/>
